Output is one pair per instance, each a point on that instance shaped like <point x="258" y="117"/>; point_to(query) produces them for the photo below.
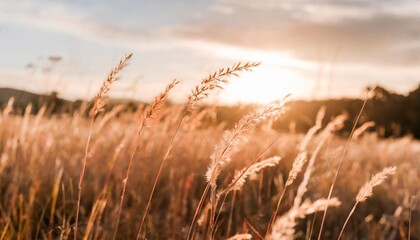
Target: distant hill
<point x="55" y="104"/>
<point x="19" y="95"/>
<point x="23" y="98"/>
<point x="394" y="114"/>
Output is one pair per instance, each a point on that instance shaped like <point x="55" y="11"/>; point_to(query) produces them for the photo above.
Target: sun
<point x="263" y="85"/>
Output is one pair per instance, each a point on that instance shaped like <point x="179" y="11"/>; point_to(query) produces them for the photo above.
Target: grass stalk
<point x="339" y="165"/>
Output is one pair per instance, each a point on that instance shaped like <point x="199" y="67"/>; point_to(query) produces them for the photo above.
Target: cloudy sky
<point x="311" y="49"/>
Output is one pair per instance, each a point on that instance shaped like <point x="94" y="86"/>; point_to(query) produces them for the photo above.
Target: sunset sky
<point x="311" y="49"/>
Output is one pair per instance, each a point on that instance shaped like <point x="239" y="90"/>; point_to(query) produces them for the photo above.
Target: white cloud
<point x="71" y="20"/>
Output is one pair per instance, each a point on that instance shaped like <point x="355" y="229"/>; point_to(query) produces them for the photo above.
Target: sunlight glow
<point x="263" y="85"/>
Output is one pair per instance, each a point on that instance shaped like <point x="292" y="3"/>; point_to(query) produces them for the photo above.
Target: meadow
<point x="175" y="172"/>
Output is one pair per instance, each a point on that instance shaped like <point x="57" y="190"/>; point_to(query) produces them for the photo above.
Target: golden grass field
<point x="211" y="182"/>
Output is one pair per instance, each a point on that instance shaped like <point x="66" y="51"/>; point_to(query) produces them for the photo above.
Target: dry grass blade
<point x="233" y="138"/>
<point x="341" y="161"/>
<point x="241" y="236"/>
<point x="359" y="131"/>
<point x="333" y="126"/>
<point x="298" y="163"/>
<point x="311" y="132"/>
<point x="296" y="167"/>
<point x="156" y="106"/>
<point x="367" y="191"/>
<point x="55" y="195"/>
<point x="109" y="116"/>
<point x="153" y="110"/>
<point x="4" y="231"/>
<point x="98" y="106"/>
<point x="216" y="80"/>
<point x="9" y="107"/>
<point x="230" y="143"/>
<point x="241" y="176"/>
<point x="284" y="226"/>
<point x="254" y="230"/>
<point x="97" y="209"/>
<point x="100" y="100"/>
